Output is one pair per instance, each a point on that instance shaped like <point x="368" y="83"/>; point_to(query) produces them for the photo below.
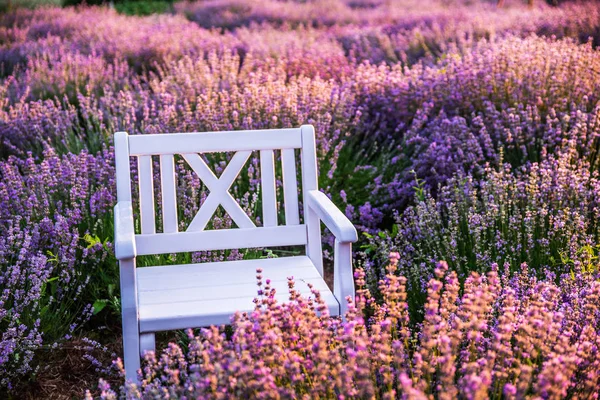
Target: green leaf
<point x="91" y="240"/>
<point x="53" y="257"/>
<point x="99" y="306"/>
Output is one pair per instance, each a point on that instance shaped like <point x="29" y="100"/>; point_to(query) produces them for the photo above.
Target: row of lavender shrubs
<point x="496" y="336"/>
<point x="461" y="135"/>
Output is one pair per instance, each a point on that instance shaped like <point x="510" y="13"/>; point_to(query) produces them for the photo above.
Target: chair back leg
<point x="147" y="343"/>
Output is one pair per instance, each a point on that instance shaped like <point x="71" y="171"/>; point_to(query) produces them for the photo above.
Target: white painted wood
<point x="201" y="275"/>
<point x="197" y="299"/>
<point x="125" y="247"/>
<point x="221" y="239"/>
<point x="204" y="313"/>
<point x="343" y="276"/>
<point x="195" y="295"/>
<point x="169" y="199"/>
<point x="334" y="219"/>
<point x="125" y="252"/>
<point x="218" y="291"/>
<point x="200" y="168"/>
<point x="267" y="179"/>
<point x="219" y="191"/>
<point x="147" y="343"/>
<point x="290" y="187"/>
<point x="129" y="309"/>
<point x="146" y="184"/>
<point x="122" y="166"/>
<point x="209" y="142"/>
<point x="309" y="182"/>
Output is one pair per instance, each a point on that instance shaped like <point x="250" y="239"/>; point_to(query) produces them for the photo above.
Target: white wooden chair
<point x="194" y="295"/>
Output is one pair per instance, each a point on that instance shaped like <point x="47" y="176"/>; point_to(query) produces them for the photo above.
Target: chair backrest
<point x="189" y="146"/>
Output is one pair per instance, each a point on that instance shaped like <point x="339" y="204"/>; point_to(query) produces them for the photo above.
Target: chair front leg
<point x="129" y="309"/>
<point x="343" y="277"/>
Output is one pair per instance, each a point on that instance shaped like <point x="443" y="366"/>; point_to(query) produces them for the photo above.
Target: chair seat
<point x="196" y="295"/>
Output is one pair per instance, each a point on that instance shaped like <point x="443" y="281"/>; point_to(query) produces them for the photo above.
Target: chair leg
<point x="343" y="277"/>
<point x="131" y="336"/>
<point x="147" y="343"/>
<point x="131" y="347"/>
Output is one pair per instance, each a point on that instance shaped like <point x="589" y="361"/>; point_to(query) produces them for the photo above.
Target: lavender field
<point x="461" y="138"/>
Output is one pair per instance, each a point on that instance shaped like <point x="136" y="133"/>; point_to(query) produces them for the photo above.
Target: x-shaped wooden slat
<point x="219" y="191"/>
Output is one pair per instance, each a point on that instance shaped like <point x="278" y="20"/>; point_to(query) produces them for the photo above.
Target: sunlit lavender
<point x="503" y="337"/>
<point x="461" y="138"/>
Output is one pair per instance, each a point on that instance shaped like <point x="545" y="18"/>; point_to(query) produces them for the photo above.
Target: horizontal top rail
<point x="210" y="142"/>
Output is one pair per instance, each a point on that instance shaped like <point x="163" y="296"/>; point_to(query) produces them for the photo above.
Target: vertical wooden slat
<point x="122" y="166"/>
<point x="267" y="178"/>
<point x="169" y="199"/>
<point x="290" y="187"/>
<point x="146" y="183"/>
<point x="309" y="182"/>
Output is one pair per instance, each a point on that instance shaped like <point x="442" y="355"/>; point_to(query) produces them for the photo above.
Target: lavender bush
<point x="515" y="94"/>
<point x="501" y="337"/>
<point x="543" y="214"/>
<point x="46" y="210"/>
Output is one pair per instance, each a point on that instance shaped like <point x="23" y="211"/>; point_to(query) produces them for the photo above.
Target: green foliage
<point x="586" y="259"/>
<point x="128" y="7"/>
<point x="144" y="7"/>
<point x="84" y="2"/>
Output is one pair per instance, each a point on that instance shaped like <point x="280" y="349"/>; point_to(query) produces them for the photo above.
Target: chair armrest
<point x="124" y="234"/>
<point x="334" y="219"/>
